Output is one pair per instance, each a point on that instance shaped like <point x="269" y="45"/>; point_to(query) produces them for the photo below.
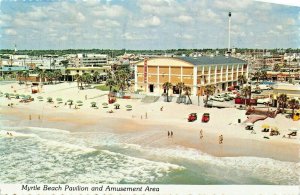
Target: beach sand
<point x="237" y="140"/>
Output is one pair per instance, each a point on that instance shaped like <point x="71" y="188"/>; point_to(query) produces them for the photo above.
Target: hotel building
<point x="195" y="72"/>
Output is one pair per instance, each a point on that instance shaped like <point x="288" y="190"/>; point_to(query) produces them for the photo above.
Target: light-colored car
<point x="264" y="101"/>
<point x="217" y="98"/>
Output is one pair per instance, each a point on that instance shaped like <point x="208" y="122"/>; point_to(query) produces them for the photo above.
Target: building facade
<point x="195" y="72"/>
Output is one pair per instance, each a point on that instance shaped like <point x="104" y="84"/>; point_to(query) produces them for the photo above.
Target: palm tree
<point x="67" y="73"/>
<point x="49" y="75"/>
<point x="167" y="86"/>
<point x="187" y="90"/>
<point x="57" y="74"/>
<point x="87" y="78"/>
<point x="41" y="74"/>
<point x="25" y="74"/>
<point x="96" y="75"/>
<point x="79" y="80"/>
<point x="294" y="104"/>
<point x="246" y="91"/>
<point x="257" y="75"/>
<point x="19" y="74"/>
<point x="242" y="79"/>
<point x="110" y="83"/>
<point x="180" y="86"/>
<point x="263" y="75"/>
<point x="282" y="100"/>
<point x="209" y="90"/>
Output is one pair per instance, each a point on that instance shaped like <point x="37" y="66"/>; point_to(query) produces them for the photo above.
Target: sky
<point x="147" y="24"/>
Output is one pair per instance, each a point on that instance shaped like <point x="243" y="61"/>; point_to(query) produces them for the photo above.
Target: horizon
<point x="147" y="25"/>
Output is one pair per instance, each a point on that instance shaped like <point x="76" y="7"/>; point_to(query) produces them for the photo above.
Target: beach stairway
<point x="150" y="99"/>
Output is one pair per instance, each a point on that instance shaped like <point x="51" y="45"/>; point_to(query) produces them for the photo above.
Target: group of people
<point x="8" y="133"/>
<point x="220" y="137"/>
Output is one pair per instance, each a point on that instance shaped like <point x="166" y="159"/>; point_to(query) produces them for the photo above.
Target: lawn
<point x="104" y="87"/>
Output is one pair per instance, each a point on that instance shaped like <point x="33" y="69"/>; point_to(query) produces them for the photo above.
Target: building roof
<point x="207" y="60"/>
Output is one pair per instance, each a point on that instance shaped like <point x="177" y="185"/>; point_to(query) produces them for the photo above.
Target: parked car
<point x="192" y="117"/>
<point x="264" y="101"/>
<point x="205" y="117"/>
<point x="217" y="98"/>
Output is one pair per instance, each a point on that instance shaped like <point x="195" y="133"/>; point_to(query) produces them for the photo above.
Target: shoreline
<point x="187" y="137"/>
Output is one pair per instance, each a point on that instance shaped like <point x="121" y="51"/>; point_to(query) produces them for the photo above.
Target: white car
<point x="264" y="101"/>
<point x="217" y="98"/>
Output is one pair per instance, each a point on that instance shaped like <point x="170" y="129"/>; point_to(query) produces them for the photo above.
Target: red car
<point x="192" y="117"/>
<point x="205" y="117"/>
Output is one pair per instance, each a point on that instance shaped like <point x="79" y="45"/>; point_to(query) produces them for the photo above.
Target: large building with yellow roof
<point x="195" y="72"/>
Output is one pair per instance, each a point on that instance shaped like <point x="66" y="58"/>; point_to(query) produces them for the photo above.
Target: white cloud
<point x="183" y="36"/>
<point x="148" y="22"/>
<point x="279" y="27"/>
<point x="183" y="19"/>
<point x="10" y="32"/>
<point x="131" y="36"/>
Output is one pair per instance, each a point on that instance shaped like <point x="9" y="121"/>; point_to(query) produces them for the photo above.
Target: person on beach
<point x="85" y="97"/>
<point x="201" y="134"/>
<point x="39" y="117"/>
<point x="171" y="134"/>
<point x="146" y="115"/>
<point x="30" y="117"/>
<point x="168" y="134"/>
<point x="10" y="134"/>
<point x="141" y="116"/>
<point x="161" y="108"/>
<point x="220" y="139"/>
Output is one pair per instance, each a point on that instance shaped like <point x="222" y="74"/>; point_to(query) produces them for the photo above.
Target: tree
<point x="242" y="79"/>
<point x="87" y="78"/>
<point x="167" y="86"/>
<point x="19" y="74"/>
<point x="257" y="75"/>
<point x="96" y="75"/>
<point x="180" y="86"/>
<point x="110" y="83"/>
<point x="50" y="76"/>
<point x="209" y="90"/>
<point x="282" y="100"/>
<point x="79" y="80"/>
<point x="25" y="74"/>
<point x="41" y="74"/>
<point x="187" y="90"/>
<point x="294" y="104"/>
<point x="67" y="72"/>
<point x="246" y="91"/>
<point x="57" y="75"/>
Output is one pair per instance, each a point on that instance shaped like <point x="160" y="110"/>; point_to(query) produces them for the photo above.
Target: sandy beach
<point x="155" y="126"/>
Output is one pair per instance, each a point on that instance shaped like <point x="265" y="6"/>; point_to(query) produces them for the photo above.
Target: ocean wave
<point x="47" y="129"/>
<point x="270" y="169"/>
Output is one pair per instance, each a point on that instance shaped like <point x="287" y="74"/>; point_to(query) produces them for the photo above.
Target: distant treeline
<point x="114" y="53"/>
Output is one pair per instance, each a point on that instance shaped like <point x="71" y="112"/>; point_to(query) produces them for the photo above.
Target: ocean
<point x="47" y="155"/>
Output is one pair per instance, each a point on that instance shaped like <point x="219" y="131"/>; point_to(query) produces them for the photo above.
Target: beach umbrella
<point x="22" y="95"/>
<point x="39" y="97"/>
<point x="70" y="101"/>
<point x="128" y="106"/>
<point x="6" y="94"/>
<point x="93" y="104"/>
<point x="59" y="99"/>
<point x="293" y="129"/>
<point x="265" y="126"/>
<point x="249" y="124"/>
<point x="79" y="102"/>
<point x="275" y="128"/>
<point x="104" y="104"/>
<point x="49" y="99"/>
